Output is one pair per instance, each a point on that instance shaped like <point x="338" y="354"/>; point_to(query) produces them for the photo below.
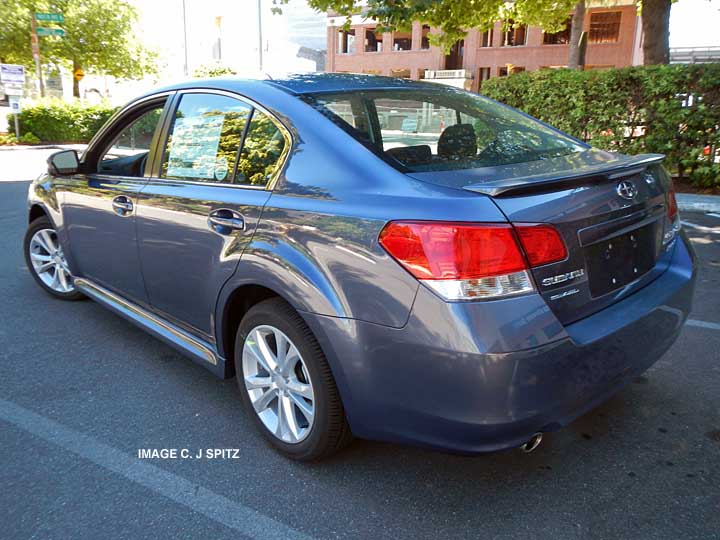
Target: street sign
<point x="13" y="90"/>
<point x="12" y="73"/>
<point x="14" y="104"/>
<point x="51" y="17"/>
<point x="78" y="74"/>
<point x="41" y="31"/>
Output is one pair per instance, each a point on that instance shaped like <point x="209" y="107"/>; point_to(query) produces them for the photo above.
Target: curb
<point x="698" y="203"/>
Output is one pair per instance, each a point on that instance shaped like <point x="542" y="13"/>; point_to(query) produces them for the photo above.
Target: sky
<point x="695" y="23"/>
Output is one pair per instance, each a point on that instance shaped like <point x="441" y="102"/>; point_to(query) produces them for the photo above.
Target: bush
<point x="672" y="110"/>
<point x="7" y="140"/>
<point x="29" y="138"/>
<point x="57" y="121"/>
<point x="214" y="70"/>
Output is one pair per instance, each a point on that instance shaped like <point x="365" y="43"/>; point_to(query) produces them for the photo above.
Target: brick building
<point x="614" y="40"/>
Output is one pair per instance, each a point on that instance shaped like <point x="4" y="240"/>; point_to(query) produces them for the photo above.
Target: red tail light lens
<point x="453" y="251"/>
<point x="542" y="244"/>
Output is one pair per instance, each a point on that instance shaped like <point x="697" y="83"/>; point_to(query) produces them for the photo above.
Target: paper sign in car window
<point x="194" y="145"/>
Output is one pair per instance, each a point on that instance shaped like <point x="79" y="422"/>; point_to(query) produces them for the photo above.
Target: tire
<point x="329" y="431"/>
<point x="57" y="281"/>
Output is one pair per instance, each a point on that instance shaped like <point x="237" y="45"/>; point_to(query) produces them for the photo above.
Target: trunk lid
<point x="610" y="209"/>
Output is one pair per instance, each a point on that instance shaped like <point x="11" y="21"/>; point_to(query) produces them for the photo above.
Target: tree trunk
<point x="76" y="83"/>
<point x="577" y="47"/>
<point x="656" y="31"/>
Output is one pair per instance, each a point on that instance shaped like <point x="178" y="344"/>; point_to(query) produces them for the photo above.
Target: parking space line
<point x="234" y="515"/>
<point x="702" y="228"/>
<point x="703" y="324"/>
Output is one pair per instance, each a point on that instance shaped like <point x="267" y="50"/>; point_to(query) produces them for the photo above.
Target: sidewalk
<point x="688" y="202"/>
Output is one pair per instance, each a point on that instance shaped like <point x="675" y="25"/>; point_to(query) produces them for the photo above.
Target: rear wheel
<point x="286" y="383"/>
<point x="46" y="260"/>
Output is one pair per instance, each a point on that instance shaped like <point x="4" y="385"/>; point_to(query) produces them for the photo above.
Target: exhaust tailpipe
<point x="533" y="443"/>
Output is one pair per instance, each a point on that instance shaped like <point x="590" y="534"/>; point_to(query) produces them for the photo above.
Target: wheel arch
<point x="233" y="308"/>
<point x="37" y="211"/>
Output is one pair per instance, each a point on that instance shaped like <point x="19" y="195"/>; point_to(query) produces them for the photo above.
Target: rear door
<point x="202" y="205"/>
<point x="99" y="206"/>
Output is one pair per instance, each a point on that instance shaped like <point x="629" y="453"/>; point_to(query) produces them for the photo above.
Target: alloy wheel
<point x="48" y="261"/>
<point x="278" y="384"/>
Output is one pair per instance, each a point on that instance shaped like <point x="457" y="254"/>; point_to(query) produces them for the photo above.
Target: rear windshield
<point x="444" y="129"/>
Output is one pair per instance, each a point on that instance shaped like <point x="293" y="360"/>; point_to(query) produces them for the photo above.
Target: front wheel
<point x="46" y="261"/>
<point x="286" y="383"/>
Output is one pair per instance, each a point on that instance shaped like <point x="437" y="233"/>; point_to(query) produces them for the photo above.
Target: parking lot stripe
<point x="234" y="515"/>
<point x="713" y="230"/>
<point x="703" y="324"/>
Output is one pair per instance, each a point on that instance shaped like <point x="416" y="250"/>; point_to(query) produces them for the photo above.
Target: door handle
<point x="122" y="205"/>
<point x="225" y="221"/>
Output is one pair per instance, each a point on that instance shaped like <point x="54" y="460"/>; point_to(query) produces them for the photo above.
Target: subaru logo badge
<point x="626" y="190"/>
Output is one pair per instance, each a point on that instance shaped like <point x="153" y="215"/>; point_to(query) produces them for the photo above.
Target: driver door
<point x="99" y="205"/>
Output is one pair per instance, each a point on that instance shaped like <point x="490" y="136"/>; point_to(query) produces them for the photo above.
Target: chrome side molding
<point x="198" y="350"/>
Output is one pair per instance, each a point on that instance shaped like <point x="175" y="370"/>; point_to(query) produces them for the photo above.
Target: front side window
<point x="127" y="153"/>
<point x="205" y="138"/>
<point x="437" y="130"/>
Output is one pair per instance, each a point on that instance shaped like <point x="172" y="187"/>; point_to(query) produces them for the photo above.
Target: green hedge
<point x="57" y="121"/>
<point x="672" y="110"/>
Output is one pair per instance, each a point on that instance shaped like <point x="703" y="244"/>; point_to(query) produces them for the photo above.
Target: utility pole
<point x="185" y="45"/>
<point x="36" y="53"/>
<point x="260" y="38"/>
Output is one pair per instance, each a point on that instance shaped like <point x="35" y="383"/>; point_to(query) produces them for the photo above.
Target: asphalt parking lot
<point x="81" y="391"/>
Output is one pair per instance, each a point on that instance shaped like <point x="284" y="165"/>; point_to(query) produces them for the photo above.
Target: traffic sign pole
<point x="36" y="56"/>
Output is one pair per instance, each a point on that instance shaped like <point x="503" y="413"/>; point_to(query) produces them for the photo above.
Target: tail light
<point x="464" y="261"/>
<point x="673" y="217"/>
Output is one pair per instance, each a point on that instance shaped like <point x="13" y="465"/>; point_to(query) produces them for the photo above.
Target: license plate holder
<point x="614" y="263"/>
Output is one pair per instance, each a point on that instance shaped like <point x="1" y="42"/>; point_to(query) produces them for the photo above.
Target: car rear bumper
<point x="484" y="376"/>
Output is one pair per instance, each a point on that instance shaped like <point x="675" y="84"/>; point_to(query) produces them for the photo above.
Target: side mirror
<point x="64" y="162"/>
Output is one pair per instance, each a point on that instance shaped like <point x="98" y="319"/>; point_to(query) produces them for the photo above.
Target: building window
<point x="425" y="41"/>
<point x="346" y="41"/>
<point x="486" y="38"/>
<point x="558" y="38"/>
<point x="402" y="41"/>
<point x="509" y="68"/>
<point x="515" y="36"/>
<point x="401" y="73"/>
<point x="483" y="75"/>
<point x="605" y="27"/>
<point x="373" y="40"/>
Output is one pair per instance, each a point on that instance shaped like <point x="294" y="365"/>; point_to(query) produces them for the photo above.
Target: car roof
<point x="311" y="83"/>
<point x="302" y="83"/>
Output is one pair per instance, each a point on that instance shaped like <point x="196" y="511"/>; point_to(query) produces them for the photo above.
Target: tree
<point x="656" y="31"/>
<point x="578" y="40"/>
<point x="454" y="17"/>
<point x="100" y="37"/>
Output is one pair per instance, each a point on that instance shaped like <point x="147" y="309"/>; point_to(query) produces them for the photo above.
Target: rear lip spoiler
<point x="605" y="171"/>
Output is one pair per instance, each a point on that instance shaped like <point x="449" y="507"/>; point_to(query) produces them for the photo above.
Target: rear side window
<point x="436" y="130"/>
<point x="205" y="138"/>
<point x="262" y="151"/>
